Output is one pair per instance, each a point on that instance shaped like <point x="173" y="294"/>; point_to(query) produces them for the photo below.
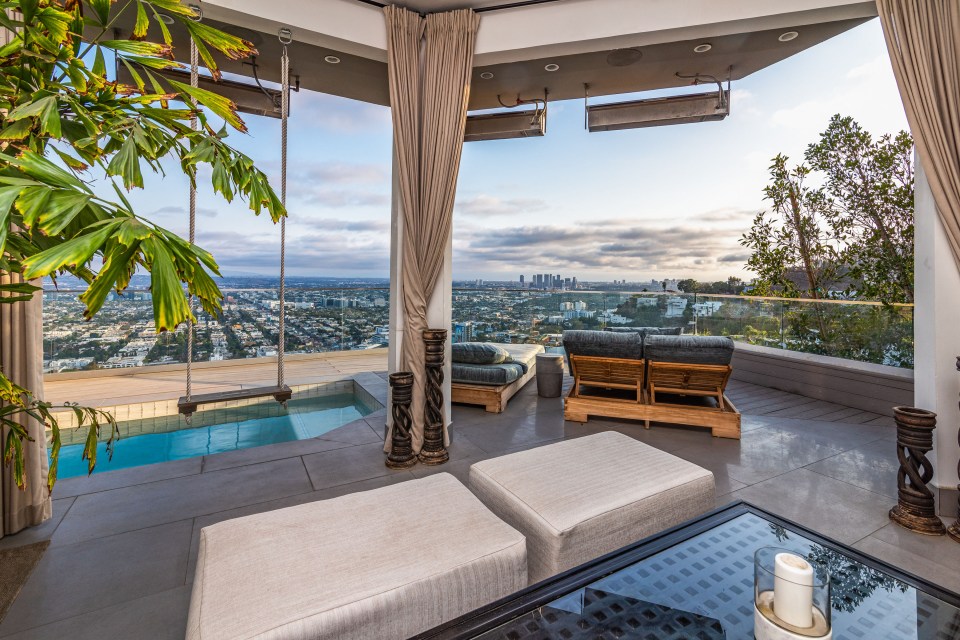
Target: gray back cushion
<point x="647" y="331"/>
<point x="478" y="353"/>
<point x="604" y="344"/>
<point x="689" y="349"/>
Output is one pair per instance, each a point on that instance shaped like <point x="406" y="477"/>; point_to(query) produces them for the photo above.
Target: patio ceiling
<point x="515" y="44"/>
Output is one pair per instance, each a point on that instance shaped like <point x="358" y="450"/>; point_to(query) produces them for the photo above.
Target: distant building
<point x="521" y="280"/>
<point x="675" y="307"/>
<point x="462" y="332"/>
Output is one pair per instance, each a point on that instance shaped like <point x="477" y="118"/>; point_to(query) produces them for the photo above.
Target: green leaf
<point x="126" y="164"/>
<point x="17" y="131"/>
<point x="72" y="253"/>
<point x="139" y="48"/>
<point x="169" y="301"/>
<point x="7" y="196"/>
<point x="116" y="266"/>
<point x="33" y="202"/>
<point x="101" y="8"/>
<point x="99" y="65"/>
<point x="44" y="171"/>
<point x="142" y="24"/>
<point x="221" y="106"/>
<point x="229" y="45"/>
<point x="62" y="210"/>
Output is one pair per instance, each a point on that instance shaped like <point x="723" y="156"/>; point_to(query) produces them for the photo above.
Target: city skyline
<point x="655" y="203"/>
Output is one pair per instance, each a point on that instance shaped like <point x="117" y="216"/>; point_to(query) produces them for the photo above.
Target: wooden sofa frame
<point x="650" y="378"/>
<point x="493" y="398"/>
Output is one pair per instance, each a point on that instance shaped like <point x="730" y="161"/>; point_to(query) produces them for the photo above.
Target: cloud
<point x="339" y="115"/>
<point x="485" y="205"/>
<point x="171" y="211"/>
<point x="621" y="246"/>
<point x="338" y="198"/>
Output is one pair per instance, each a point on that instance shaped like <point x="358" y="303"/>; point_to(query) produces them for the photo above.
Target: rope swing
<point x="189" y="403"/>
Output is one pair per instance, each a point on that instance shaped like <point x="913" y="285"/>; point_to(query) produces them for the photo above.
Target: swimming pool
<point x="166" y="438"/>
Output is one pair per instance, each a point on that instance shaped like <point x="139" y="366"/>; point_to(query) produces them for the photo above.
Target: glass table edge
<point x="517" y="604"/>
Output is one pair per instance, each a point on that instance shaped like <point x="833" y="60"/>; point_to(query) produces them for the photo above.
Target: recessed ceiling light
<point x="788" y="36"/>
<point x="332" y="59"/>
<point x="702" y="48"/>
<point x="164" y="18"/>
<point x="486" y="75"/>
<point x="551" y="67"/>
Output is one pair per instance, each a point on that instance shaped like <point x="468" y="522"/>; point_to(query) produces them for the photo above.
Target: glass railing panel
<point x="333" y="319"/>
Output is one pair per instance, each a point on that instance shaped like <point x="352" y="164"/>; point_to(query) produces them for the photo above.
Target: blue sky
<point x="646" y="203"/>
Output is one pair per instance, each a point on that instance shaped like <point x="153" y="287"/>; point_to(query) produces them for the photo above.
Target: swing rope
<point x="284" y="113"/>
<point x="281" y="393"/>
<point x="194" y="82"/>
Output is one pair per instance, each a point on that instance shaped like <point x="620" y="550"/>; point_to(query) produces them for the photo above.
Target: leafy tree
<point x="871" y="187"/>
<point x="688" y="285"/>
<point x="62" y="119"/>
<point x="795" y="247"/>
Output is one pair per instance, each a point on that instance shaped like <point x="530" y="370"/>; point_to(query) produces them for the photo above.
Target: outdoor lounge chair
<point x="682" y="379"/>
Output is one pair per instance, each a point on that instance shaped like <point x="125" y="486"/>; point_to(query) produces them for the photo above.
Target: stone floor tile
<point x="929" y="565"/>
<point x="106" y="480"/>
<point x="41" y="532"/>
<point x="266" y="453"/>
<point x="75" y="579"/>
<point x="347" y="465"/>
<point x="147" y="505"/>
<point x="357" y="432"/>
<point x="836" y="509"/>
<point x="162" y="616"/>
<point x="872" y="467"/>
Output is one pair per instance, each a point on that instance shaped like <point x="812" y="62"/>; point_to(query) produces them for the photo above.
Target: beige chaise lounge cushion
<point x="579" y="499"/>
<point x="387" y="563"/>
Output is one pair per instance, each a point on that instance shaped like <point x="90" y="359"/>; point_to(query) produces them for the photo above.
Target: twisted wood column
<point x="401" y="449"/>
<point x="954" y="529"/>
<point x="433" y="450"/>
<point x="915" y="508"/>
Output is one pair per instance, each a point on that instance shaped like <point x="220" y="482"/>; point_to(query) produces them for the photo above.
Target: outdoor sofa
<point x="374" y="565"/>
<point x="489" y="374"/>
<point x="653" y="375"/>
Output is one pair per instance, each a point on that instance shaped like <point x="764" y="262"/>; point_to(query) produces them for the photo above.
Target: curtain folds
<point x="429" y="62"/>
<point x="923" y="39"/>
<point x="21" y="360"/>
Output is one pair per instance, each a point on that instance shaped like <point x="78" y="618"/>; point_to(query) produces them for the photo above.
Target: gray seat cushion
<point x="364" y="565"/>
<point x="689" y="349"/>
<point x="478" y="353"/>
<point x="604" y="344"/>
<point x="579" y="499"/>
<point x="491" y="374"/>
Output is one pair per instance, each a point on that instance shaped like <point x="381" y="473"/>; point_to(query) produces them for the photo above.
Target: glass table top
<point x="702" y="588"/>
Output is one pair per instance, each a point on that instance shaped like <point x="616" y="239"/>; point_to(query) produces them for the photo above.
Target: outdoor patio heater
<point x="508" y="125"/>
<point x="654" y="112"/>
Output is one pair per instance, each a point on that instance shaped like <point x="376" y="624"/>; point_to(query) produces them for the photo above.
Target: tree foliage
<point x="854" y="231"/>
<point x="796" y="249"/>
<point x="65" y="123"/>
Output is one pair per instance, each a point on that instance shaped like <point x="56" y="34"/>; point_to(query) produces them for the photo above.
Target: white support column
<point x="395" y="334"/>
<point x="439" y="311"/>
<point x="937" y="340"/>
<point x="440" y="316"/>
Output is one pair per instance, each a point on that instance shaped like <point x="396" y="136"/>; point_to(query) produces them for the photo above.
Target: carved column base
<point x="916" y="509"/>
<point x="434" y="451"/>
<point x="954" y="530"/>
<point x="401" y="454"/>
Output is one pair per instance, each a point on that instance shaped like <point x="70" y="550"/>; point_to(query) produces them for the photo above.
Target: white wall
<point x="936" y="333"/>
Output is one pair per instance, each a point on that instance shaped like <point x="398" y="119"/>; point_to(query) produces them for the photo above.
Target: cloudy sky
<point x="640" y="204"/>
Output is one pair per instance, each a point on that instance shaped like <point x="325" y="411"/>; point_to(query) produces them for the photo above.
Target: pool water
<point x="233" y="428"/>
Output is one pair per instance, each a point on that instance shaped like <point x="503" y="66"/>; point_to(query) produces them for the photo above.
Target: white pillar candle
<point x="793" y="590"/>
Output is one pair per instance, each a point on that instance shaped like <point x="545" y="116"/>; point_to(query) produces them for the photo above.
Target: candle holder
<point x="916" y="509"/>
<point x="791" y="597"/>
<point x="433" y="450"/>
<point x="954" y="530"/>
<point x="401" y="450"/>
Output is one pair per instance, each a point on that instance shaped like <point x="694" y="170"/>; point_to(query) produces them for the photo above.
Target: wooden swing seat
<point x="186" y="406"/>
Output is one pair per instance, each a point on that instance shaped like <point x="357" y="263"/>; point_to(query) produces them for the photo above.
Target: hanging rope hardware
<point x="540" y="108"/>
<point x="702" y="78"/>
<point x="189" y="403"/>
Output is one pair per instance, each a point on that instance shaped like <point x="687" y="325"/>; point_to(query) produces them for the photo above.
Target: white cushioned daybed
<point x="579" y="499"/>
<point x="489" y="374"/>
<point x="386" y="564"/>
